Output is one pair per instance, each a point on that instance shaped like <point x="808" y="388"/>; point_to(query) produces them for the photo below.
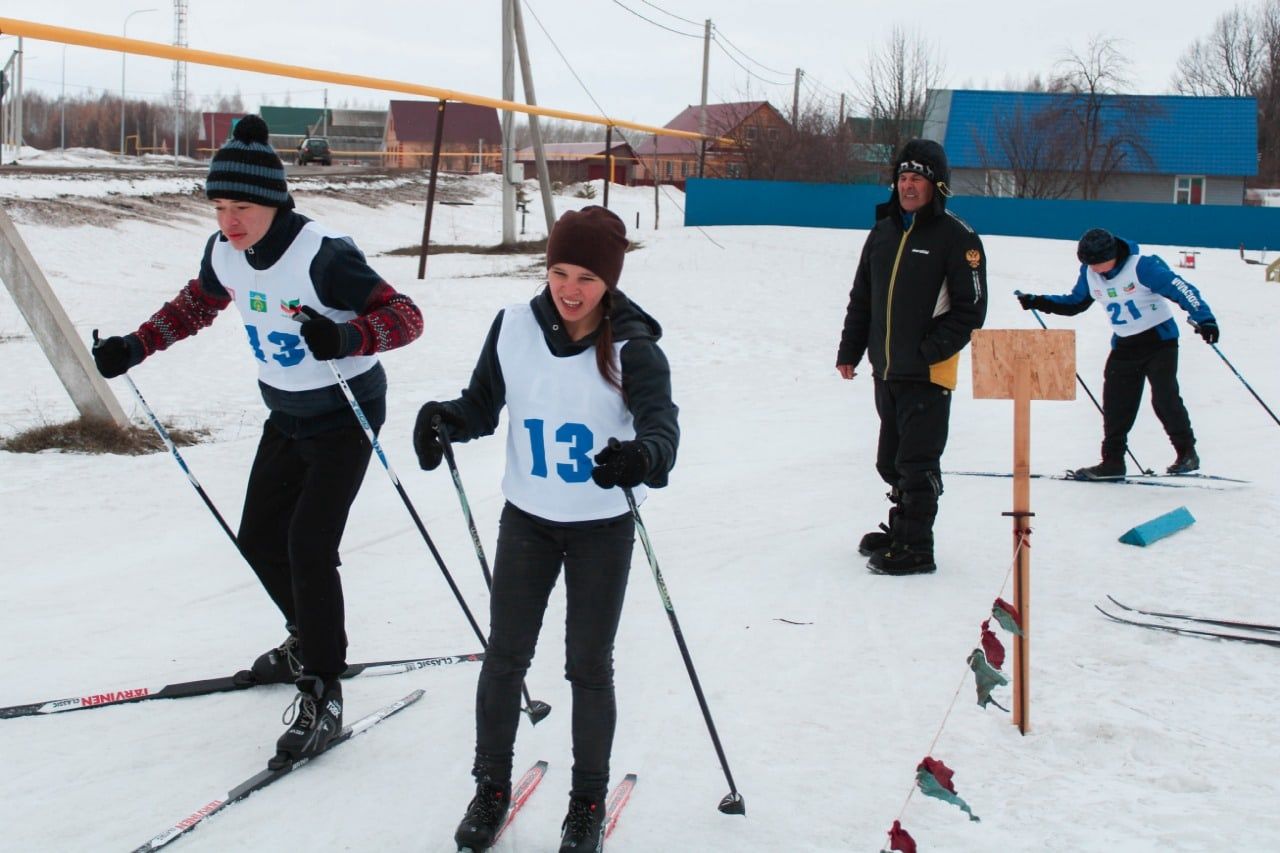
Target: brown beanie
<point x="593" y="237"/>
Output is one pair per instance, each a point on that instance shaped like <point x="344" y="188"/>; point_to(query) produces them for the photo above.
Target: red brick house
<point x="675" y="158"/>
<point x="574" y="162"/>
<point x="472" y="141"/>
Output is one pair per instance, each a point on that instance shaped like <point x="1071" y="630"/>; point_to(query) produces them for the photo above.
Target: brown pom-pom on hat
<point x="593" y="237"/>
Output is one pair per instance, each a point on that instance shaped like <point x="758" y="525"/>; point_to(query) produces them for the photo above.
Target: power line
<point x="601" y="109"/>
<point x="655" y="23"/>
<point x="672" y="14"/>
<point x="750" y="73"/>
<point x="719" y="33"/>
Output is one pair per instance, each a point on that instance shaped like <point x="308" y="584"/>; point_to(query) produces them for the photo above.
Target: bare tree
<point x="1037" y="148"/>
<point x="1229" y="62"/>
<point x="898" y="78"/>
<point x="1268" y="92"/>
<point x="1110" y="127"/>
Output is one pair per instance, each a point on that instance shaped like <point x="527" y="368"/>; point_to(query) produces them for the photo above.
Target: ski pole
<point x="408" y="504"/>
<point x="173" y="449"/>
<point x="535" y="708"/>
<point x="1036" y="314"/>
<point x="1246" y="384"/>
<point x="732" y="802"/>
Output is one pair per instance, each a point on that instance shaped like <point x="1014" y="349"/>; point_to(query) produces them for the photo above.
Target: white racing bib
<point x="268" y="299"/>
<point x="562" y="412"/>
<point x="1131" y="306"/>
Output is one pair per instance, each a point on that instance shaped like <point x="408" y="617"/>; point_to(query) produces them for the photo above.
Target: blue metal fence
<point x="725" y="202"/>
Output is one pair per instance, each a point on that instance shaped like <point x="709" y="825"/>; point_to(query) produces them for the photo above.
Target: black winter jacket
<point x="919" y="292"/>
<point x="646" y="379"/>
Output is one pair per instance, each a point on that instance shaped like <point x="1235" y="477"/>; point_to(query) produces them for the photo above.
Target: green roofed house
<point x="290" y="125"/>
<point x="1169" y="149"/>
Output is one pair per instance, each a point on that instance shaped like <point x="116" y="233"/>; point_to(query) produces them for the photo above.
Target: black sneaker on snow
<point x="317" y="721"/>
<point x="484" y="816"/>
<point x="1185" y="463"/>
<point x="583" y="827"/>
<point x="279" y="665"/>
<point x="876" y="540"/>
<point x="1104" y="470"/>
<point x="902" y="560"/>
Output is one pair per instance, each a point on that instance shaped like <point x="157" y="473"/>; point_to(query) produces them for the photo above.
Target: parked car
<point x="314" y="149"/>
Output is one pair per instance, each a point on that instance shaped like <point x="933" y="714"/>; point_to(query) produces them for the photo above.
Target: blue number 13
<point x="579" y="439"/>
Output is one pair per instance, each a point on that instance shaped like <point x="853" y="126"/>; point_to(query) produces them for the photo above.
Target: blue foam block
<point x="1159" y="527"/>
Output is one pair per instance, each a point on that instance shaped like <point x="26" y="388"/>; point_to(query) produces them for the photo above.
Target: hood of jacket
<point x="630" y="322"/>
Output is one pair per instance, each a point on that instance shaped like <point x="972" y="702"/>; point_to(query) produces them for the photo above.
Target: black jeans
<point x="295" y="510"/>
<point x="1128" y="366"/>
<point x="596" y="562"/>
<point x="914" y="418"/>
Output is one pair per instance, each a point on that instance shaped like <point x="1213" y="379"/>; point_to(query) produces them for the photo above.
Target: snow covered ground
<point x="828" y="684"/>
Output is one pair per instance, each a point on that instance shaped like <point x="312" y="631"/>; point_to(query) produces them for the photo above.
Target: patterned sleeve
<point x="190" y="311"/>
<point x="343" y="279"/>
<point x="389" y="320"/>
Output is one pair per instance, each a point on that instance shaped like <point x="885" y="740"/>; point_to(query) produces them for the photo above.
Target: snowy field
<point x="828" y="684"/>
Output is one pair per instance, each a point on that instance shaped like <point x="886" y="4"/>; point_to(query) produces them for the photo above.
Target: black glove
<point x="324" y="337"/>
<point x="114" y="355"/>
<point x="1209" y="331"/>
<point x="426" y="440"/>
<point x="623" y="464"/>
<point x="1028" y="300"/>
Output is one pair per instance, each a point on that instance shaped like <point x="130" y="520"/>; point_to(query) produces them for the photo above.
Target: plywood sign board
<point x="1051" y="354"/>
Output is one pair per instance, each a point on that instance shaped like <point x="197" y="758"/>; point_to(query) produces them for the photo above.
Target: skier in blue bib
<point x="577" y="365"/>
<point x="1136" y="290"/>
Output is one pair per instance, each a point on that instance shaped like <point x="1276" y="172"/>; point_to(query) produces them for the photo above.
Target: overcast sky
<point x="635" y="69"/>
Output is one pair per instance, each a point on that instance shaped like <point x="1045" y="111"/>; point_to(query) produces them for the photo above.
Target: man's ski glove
<point x="1209" y="331"/>
<point x="325" y="338"/>
<point x="114" y="355"/>
<point x="426" y="441"/>
<point x="623" y="464"/>
<point x="1027" y="300"/>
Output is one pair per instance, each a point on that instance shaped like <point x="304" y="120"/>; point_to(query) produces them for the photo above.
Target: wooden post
<point x="1023" y="365"/>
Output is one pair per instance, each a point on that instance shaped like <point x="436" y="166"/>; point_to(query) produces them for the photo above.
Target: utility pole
<point x="62" y="105"/>
<point x="535" y="132"/>
<point x="17" y="106"/>
<point x="795" y="99"/>
<point x="324" y="116"/>
<point x="702" y="115"/>
<point x="508" y="94"/>
<point x="179" y="76"/>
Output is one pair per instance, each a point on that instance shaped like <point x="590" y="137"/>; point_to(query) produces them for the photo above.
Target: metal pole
<point x="608" y="162"/>
<point x="535" y="131"/>
<point x="431" y="190"/>
<point x="702" y="115"/>
<point x="124" y="32"/>
<point x="62" y="105"/>
<point x="508" y="94"/>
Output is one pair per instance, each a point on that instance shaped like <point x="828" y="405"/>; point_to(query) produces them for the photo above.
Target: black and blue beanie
<point x="247" y="168"/>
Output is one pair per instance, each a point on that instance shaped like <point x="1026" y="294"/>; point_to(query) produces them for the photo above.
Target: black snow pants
<point x="295" y="510"/>
<point x="1132" y="362"/>
<point x="596" y="561"/>
<point x="914" y="417"/>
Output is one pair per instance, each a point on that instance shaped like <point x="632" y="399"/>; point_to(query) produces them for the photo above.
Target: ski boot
<point x="317" y="720"/>
<point x="485" y="812"/>
<point x="583" y="827"/>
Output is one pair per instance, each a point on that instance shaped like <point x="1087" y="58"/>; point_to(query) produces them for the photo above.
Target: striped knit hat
<point x="248" y="169"/>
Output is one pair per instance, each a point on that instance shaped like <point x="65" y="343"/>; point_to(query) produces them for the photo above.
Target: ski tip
<point x="733" y="804"/>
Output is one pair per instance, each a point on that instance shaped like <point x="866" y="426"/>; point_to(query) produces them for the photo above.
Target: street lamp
<point x="124" y="32"/>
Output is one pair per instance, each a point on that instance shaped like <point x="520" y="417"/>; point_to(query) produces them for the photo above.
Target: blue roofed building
<point x="1168" y="149"/>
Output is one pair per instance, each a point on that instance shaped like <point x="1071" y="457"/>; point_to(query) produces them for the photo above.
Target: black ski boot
<point x="317" y="720"/>
<point x="878" y="540"/>
<point x="1186" y="462"/>
<point x="583" y="827"/>
<point x="1107" y="469"/>
<point x="902" y="560"/>
<point x="277" y="666"/>
<point x="484" y="817"/>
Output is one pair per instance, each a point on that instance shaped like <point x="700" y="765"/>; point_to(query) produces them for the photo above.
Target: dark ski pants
<point x="596" y="563"/>
<point x="295" y="510"/>
<point x="1128" y="367"/>
<point x="914" y="417"/>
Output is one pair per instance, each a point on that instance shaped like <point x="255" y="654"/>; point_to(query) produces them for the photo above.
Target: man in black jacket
<point x="919" y="292"/>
